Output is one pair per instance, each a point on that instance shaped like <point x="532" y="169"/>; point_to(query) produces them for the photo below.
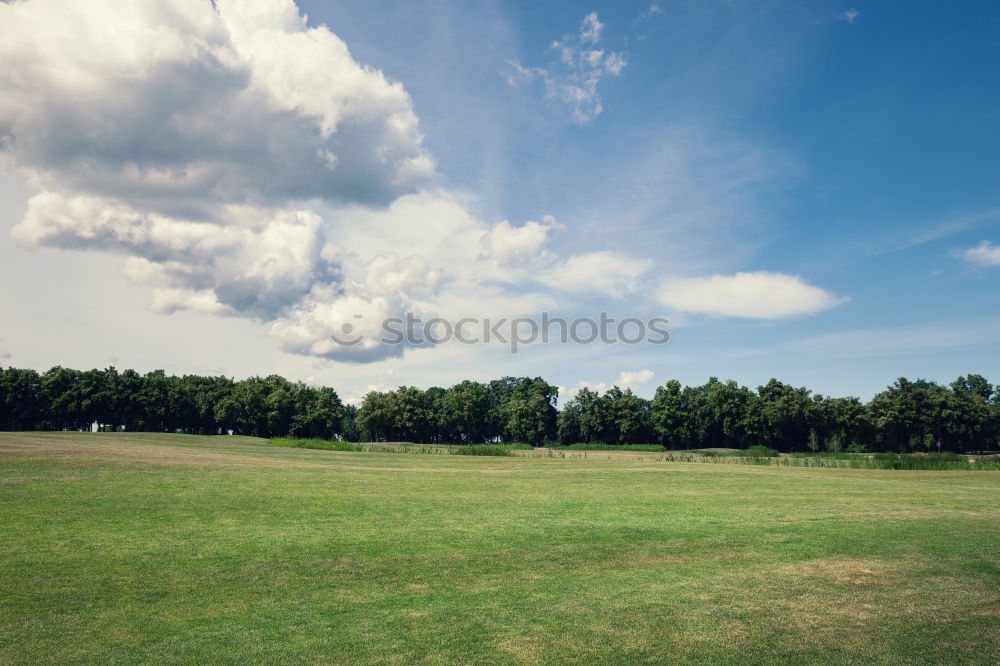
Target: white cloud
<point x="753" y="295"/>
<point x="590" y="29"/>
<point x="984" y="254"/>
<point x="626" y="379"/>
<point x="186" y="105"/>
<point x="573" y="78"/>
<point x="522" y="246"/>
<point x="602" y="272"/>
<point x="634" y="378"/>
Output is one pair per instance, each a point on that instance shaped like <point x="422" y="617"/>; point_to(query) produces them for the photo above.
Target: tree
<point x="626" y="415"/>
<point x="786" y="416"/>
<point x="529" y="419"/>
<point x="670" y="415"/>
<point x="464" y="412"/>
<point x="973" y="385"/>
<point x="921" y="415"/>
<point x="21" y="401"/>
<point x="843" y="424"/>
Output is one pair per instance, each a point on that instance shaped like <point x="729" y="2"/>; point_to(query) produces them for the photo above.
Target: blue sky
<point x="850" y="147"/>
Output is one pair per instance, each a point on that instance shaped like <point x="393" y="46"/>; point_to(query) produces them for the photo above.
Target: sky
<point x="807" y="191"/>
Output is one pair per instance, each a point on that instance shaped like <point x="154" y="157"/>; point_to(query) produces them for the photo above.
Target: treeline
<point x="65" y="399"/>
<point x="908" y="416"/>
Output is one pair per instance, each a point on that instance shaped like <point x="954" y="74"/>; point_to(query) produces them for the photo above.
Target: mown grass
<point x="177" y="549"/>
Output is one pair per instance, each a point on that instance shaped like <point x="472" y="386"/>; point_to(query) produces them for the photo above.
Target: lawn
<point x="137" y="548"/>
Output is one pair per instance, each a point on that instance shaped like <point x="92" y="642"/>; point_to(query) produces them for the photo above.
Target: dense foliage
<point x="909" y="416"/>
<point x="512" y="409"/>
<point x="64" y="399"/>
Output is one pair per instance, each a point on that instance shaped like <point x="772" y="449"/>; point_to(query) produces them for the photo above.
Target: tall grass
<point x="758" y="455"/>
<point x="597" y="446"/>
<point x="759" y="451"/>
<point x="481" y="450"/>
<point x="315" y="443"/>
<point x="943" y="462"/>
<point x="402" y="447"/>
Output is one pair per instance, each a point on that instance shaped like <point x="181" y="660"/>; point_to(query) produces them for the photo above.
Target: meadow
<point x="139" y="548"/>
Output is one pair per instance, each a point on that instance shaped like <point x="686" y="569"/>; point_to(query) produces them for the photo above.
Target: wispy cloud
<point x="916" y="338"/>
<point x="651" y="11"/>
<point x="936" y="230"/>
<point x="850" y="15"/>
<point x="573" y="77"/>
<point x="590" y="29"/>
<point x="985" y="254"/>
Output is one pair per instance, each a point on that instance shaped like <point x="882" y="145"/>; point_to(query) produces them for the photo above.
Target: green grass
<point x="134" y="548"/>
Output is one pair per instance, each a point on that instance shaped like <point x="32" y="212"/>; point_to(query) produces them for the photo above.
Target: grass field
<point x="137" y="548"/>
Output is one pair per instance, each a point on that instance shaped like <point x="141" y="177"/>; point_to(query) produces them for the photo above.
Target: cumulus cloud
<point x="752" y="295"/>
<point x="630" y="378"/>
<point x="577" y="70"/>
<point x="627" y="379"/>
<point x="245" y="164"/>
<point x="985" y="254"/>
<point x="185" y="105"/>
